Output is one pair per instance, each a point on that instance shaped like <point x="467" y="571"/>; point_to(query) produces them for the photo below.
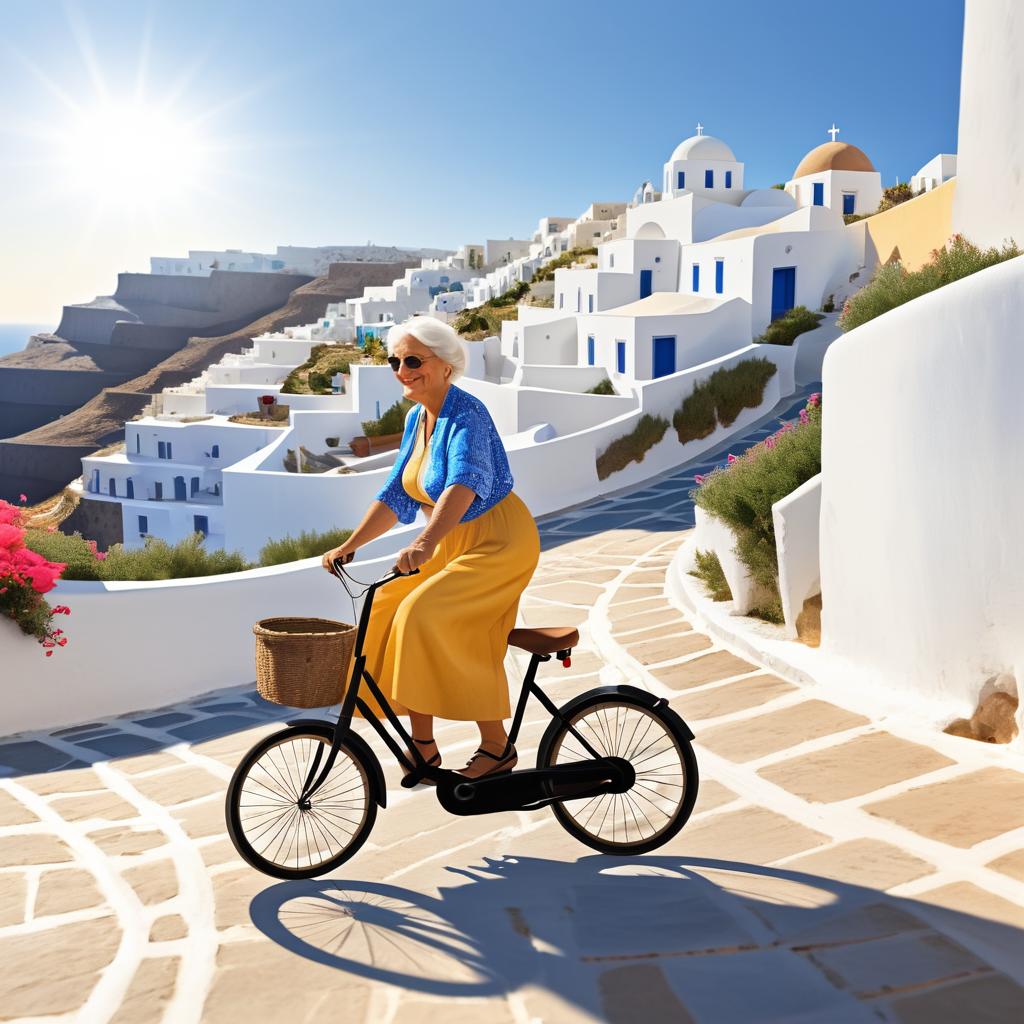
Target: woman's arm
<point x="447" y="514"/>
<point x="377" y="521"/>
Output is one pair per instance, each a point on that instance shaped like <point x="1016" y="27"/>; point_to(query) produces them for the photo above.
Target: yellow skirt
<point x="436" y="641"/>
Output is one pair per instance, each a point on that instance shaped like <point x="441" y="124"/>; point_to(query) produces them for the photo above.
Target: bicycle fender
<point x="625" y="690"/>
<point x="360" y="747"/>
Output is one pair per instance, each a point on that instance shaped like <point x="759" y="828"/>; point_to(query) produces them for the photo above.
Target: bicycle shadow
<point x="716" y="928"/>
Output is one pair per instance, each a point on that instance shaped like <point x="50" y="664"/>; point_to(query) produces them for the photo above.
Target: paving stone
<point x="731" y="697"/>
<point x="658" y="616"/>
<point x="53" y="971"/>
<point x="225" y="705"/>
<point x="60" y="892"/>
<point x="866" y="862"/>
<point x="869" y="969"/>
<point x="146" y="763"/>
<point x="452" y="1011"/>
<point x="992" y="1000"/>
<point x="860" y="766"/>
<point x="844" y="919"/>
<point x="631" y="594"/>
<point x="106" y="806"/>
<point x="751" y="835"/>
<point x="207" y="728"/>
<point x="773" y="731"/>
<point x="650" y="652"/>
<point x="168" y="928"/>
<point x="1011" y="864"/>
<point x="622" y="988"/>
<point x="712" y="794"/>
<point x="150" y="991"/>
<point x="32" y="848"/>
<point x="553" y="615"/>
<point x="74" y="730"/>
<point x="251" y="974"/>
<point x="230" y="749"/>
<point x="154" y="882"/>
<point x="646" y="576"/>
<point x="961" y="811"/>
<point x="12" y="898"/>
<point x="179" y="785"/>
<point x="967" y="899"/>
<point x="32" y="756"/>
<point x="13" y="811"/>
<point x="709" y="668"/>
<point x="679" y="627"/>
<point x="648" y="606"/>
<point x="569" y="593"/>
<point x="162" y="721"/>
<point x="220" y="852"/>
<point x="203" y="819"/>
<point x="79" y="780"/>
<point x="122" y="744"/>
<point x="127" y="840"/>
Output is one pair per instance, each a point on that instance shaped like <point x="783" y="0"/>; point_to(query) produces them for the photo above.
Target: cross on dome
<point x="700" y="128"/>
<point x="833" y="131"/>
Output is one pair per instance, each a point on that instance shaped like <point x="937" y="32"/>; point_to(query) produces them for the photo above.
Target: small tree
<point x="894" y="195"/>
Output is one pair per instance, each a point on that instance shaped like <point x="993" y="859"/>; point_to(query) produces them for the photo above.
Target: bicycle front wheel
<point x="275" y="833"/>
<point x="656" y="743"/>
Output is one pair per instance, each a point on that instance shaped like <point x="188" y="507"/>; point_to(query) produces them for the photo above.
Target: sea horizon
<point x="14" y="337"/>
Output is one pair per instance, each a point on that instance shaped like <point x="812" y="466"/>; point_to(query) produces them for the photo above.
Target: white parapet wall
<point x="797" y="542"/>
<point x="922" y="492"/>
<point x="713" y="536"/>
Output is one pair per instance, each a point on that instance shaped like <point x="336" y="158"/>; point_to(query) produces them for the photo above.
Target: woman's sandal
<point x="433" y="762"/>
<point x="503" y="762"/>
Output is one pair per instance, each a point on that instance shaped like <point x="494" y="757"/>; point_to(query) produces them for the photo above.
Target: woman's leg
<point x="493" y="739"/>
<point x="421" y="728"/>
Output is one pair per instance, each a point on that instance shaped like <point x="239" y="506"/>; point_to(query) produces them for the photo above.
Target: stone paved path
<point x="835" y="869"/>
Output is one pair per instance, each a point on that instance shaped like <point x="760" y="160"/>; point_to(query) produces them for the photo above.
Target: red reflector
<point x="566" y="662"/>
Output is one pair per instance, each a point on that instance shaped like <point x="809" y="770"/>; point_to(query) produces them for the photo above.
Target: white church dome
<point x="703" y="147"/>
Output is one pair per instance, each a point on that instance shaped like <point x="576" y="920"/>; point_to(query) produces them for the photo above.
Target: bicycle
<point x="304" y="800"/>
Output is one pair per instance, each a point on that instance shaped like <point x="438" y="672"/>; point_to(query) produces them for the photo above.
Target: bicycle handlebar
<point x="338" y="564"/>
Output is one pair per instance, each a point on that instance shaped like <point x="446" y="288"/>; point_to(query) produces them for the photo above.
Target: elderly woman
<point x="437" y="640"/>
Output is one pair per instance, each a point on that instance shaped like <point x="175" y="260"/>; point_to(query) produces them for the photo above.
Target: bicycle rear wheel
<point x="656" y="743"/>
<point x="269" y="828"/>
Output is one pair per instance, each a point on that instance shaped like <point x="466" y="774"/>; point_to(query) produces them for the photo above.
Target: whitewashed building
<point x="939" y="169"/>
<point x="838" y="176"/>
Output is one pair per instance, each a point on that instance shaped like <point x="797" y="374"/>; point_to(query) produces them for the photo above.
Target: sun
<point x="132" y="153"/>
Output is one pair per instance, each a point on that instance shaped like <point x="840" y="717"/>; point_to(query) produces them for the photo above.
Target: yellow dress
<point x="436" y="641"/>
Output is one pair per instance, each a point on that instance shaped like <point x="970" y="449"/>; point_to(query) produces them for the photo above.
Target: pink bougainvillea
<point x="25" y="576"/>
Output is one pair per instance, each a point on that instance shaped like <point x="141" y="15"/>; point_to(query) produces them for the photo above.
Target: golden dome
<point x="833" y="156"/>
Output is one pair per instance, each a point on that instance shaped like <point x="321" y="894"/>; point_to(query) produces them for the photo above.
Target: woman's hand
<point x="344" y="552"/>
<point x="413" y="556"/>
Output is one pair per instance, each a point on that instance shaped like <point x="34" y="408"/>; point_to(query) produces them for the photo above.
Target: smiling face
<point x="428" y="383"/>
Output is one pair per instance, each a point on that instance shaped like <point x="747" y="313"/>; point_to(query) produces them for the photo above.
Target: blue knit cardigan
<point x="465" y="448"/>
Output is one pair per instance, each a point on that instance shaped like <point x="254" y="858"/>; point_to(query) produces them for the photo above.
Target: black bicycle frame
<point x="418" y="767"/>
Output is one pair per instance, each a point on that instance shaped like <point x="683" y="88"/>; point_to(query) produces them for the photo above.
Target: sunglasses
<point x="411" y="362"/>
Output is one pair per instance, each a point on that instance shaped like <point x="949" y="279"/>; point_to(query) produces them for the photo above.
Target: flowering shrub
<point x="25" y="576"/>
<point x="742" y="492"/>
<point x="632" y="447"/>
<point x="722" y="397"/>
<point x="891" y="285"/>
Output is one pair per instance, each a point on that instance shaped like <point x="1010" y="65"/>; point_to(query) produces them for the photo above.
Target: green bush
<point x="742" y="494"/>
<point x="603" y="387"/>
<point x="323" y="363"/>
<point x="740" y="387"/>
<point x="375" y="350"/>
<point x="829" y="306"/>
<point x="696" y="417"/>
<point x="392" y="420"/>
<point x="894" y="195"/>
<point x="511" y="297"/>
<point x="633" y="447"/>
<point x="566" y="259"/>
<point x="157" y="560"/>
<point x="709" y="571"/>
<point x="305" y="545"/>
<point x="891" y="285"/>
<point x="789" y="326"/>
<point x="470" y="321"/>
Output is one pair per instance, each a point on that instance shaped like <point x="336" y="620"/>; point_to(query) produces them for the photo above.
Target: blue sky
<point x="421" y="124"/>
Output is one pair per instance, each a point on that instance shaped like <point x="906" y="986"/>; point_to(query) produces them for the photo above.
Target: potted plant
<point x="360" y="446"/>
<point x="385" y="434"/>
<point x="332" y="442"/>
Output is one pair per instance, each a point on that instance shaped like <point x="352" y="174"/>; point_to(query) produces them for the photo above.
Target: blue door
<point x="131" y="488"/>
<point x="681" y="179"/>
<point x="783" y="290"/>
<point x="728" y="179"/>
<point x="620" y="356"/>
<point x="819" y="193"/>
<point x="646" y="285"/>
<point x="709" y="179"/>
<point x="202" y="524"/>
<point x="696" y="277"/>
<point x="113" y="487"/>
<point x="719" y="276"/>
<point x="590" y="350"/>
<point x="849" y="201"/>
<point x="194" y="489"/>
<point x="179" y="489"/>
<point x="664" y="356"/>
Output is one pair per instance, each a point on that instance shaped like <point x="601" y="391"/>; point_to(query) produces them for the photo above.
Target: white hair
<point x="438" y="336"/>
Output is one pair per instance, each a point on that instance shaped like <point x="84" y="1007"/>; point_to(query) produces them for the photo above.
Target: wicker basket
<point x="303" y="663"/>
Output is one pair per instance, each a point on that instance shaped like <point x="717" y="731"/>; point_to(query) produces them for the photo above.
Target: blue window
<point x="112" y="487"/>
<point x="719" y="276"/>
<point x="849" y="202"/>
<point x="696" y="277"/>
<point x="169" y="455"/>
<point x="161" y="449"/>
<point x="646" y="283"/>
<point x="590" y="350"/>
<point x="819" y="193"/>
<point x="138" y="444"/>
<point x="201" y="525"/>
<point x="620" y="356"/>
<point x="681" y="179"/>
<point x="143" y="525"/>
<point x="664" y="356"/>
<point x="194" y="489"/>
<point x="728" y="179"/>
<point x="158" y="491"/>
<point x="590" y="303"/>
<point x="444" y="279"/>
<point x="131" y="488"/>
<point x="709" y="179"/>
<point x="216" y="451"/>
<point x="327" y="323"/>
<point x="179" y="489"/>
<point x="274" y="265"/>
